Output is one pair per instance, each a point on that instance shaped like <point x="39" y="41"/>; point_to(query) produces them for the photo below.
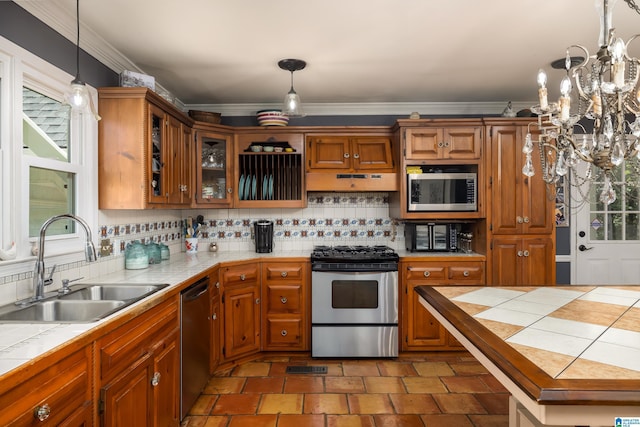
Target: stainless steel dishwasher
<point x="195" y="347"/>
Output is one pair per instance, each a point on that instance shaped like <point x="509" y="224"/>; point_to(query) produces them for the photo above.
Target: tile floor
<point x="429" y="389"/>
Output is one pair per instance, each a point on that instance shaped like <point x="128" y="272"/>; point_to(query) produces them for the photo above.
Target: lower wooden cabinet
<point x="420" y="330"/>
<point x="240" y="285"/>
<point x="522" y="260"/>
<point x="139" y="370"/>
<point x="56" y="389"/>
<point x="285" y="318"/>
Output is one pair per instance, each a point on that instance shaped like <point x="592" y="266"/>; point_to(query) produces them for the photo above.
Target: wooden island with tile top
<point x="568" y="355"/>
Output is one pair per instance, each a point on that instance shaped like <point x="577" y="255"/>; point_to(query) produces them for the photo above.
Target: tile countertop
<point x="22" y="342"/>
<point x="559" y="344"/>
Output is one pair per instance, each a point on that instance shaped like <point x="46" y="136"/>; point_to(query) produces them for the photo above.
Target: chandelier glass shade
<point x="594" y="127"/>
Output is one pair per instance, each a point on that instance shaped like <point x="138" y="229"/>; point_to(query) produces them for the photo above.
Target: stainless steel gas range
<point x="354" y="296"/>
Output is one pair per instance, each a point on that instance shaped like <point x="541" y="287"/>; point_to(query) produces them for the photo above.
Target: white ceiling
<point x="402" y="53"/>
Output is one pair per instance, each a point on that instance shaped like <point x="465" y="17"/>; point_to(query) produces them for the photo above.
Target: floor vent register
<point x="306" y="369"/>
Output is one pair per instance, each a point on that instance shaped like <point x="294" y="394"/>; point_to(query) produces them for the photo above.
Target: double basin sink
<point x="81" y="304"/>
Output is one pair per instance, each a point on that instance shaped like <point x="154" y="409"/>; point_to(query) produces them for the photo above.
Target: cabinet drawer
<point x="283" y="298"/>
<point x="431" y="272"/>
<point x="134" y="339"/>
<point x="239" y="274"/>
<point x="284" y="271"/>
<point x="284" y="332"/>
<point x="62" y="386"/>
<point x="467" y="273"/>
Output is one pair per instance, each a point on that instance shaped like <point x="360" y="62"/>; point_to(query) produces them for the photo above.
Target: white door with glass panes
<point x="606" y="238"/>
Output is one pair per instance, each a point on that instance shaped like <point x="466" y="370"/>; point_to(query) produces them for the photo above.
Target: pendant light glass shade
<point x="292" y="106"/>
<point x="78" y="96"/>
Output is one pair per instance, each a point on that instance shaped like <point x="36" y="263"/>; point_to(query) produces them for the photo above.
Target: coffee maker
<point x="263" y="235"/>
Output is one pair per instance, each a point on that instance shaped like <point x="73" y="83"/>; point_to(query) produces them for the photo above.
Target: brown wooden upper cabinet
<point x="349" y="153"/>
<point x="144" y="151"/>
<point x="434" y="143"/>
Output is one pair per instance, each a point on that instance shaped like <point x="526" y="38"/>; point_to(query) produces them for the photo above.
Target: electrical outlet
<point x="106" y="248"/>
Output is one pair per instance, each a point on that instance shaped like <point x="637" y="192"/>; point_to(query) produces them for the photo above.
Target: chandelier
<point x="599" y="91"/>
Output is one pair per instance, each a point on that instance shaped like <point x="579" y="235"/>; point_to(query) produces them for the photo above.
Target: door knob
<point x="583" y="248"/>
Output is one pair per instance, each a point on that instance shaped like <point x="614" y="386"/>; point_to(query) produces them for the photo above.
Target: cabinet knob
<point x="465" y="273"/>
<point x="257" y="301"/>
<point x="519" y="219"/>
<point x="440" y="144"/>
<point x="519" y="253"/>
<point x="525" y="253"/>
<point x="229" y="190"/>
<point x="283" y="332"/>
<point x="214" y="316"/>
<point x="42" y="412"/>
<point x="427" y="273"/>
<point x="217" y="285"/>
<point x="446" y="144"/>
<point x="155" y="379"/>
<point x="526" y="220"/>
<point x="283" y="300"/>
<point x="356" y="156"/>
<point x="284" y="274"/>
<point x="346" y="155"/>
<point x="243" y="277"/>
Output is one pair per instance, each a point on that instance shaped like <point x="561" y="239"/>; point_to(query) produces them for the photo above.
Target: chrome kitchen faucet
<point x="39" y="282"/>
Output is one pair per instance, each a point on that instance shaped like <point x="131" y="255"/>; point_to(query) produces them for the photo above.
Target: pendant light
<point x="292" y="106"/>
<point x="78" y="97"/>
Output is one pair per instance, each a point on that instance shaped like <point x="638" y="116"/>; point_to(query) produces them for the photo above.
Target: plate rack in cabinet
<point x="270" y="178"/>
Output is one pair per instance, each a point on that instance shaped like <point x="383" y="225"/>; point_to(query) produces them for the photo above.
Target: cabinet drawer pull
<point x="427" y="273"/>
<point x="243" y="277"/>
<point x="42" y="412"/>
<point x="283" y="300"/>
<point x="465" y="273"/>
<point x="284" y="274"/>
<point x="155" y="379"/>
<point x="283" y="332"/>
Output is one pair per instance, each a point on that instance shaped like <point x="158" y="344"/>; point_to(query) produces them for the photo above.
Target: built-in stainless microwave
<point x="442" y="191"/>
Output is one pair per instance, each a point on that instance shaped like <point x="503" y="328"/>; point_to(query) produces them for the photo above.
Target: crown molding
<point x="355" y="109"/>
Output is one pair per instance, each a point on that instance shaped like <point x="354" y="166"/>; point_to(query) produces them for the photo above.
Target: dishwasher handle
<point x="194" y="291"/>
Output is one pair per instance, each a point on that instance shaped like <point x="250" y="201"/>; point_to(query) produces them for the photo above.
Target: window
<point x="49" y="158"/>
<point x="619" y="220"/>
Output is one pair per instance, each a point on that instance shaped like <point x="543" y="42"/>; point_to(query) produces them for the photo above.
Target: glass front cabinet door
<point x="214" y="167"/>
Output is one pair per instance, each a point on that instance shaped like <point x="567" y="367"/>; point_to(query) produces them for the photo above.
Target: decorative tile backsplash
<point x="334" y="218"/>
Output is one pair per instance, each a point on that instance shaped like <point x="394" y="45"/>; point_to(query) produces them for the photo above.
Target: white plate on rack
<point x="241" y="188"/>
